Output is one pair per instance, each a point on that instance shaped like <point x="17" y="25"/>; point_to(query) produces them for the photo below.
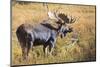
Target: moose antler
<point x="72" y="20"/>
<point x="63" y="17"/>
<point x="67" y="19"/>
<point x="53" y="16"/>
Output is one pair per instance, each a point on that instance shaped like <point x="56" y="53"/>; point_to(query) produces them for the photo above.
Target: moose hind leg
<point x="28" y="47"/>
<point x="24" y="53"/>
<point x="23" y="50"/>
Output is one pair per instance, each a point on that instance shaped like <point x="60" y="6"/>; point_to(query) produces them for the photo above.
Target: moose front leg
<point x="51" y="46"/>
<point x="45" y="50"/>
<point x="52" y="42"/>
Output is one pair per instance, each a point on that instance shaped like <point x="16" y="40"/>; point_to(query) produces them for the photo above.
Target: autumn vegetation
<point x="85" y="25"/>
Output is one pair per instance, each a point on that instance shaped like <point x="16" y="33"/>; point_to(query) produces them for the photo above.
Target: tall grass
<point x="84" y="50"/>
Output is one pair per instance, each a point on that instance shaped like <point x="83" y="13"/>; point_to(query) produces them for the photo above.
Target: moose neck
<point x="59" y="29"/>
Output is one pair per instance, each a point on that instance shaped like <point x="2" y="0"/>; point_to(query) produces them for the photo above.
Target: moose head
<point x="63" y="21"/>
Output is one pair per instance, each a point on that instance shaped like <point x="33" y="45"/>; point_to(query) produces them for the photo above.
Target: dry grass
<point x="84" y="50"/>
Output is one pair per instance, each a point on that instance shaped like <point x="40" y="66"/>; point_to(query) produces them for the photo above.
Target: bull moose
<point x="43" y="34"/>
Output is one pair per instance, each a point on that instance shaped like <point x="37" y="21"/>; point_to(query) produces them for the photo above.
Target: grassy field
<point x="84" y="50"/>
